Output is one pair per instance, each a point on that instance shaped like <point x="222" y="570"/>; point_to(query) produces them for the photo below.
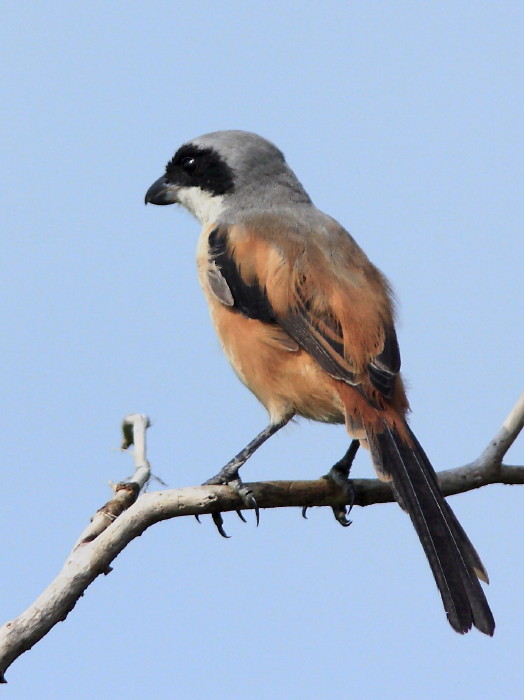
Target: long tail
<point x="454" y="562"/>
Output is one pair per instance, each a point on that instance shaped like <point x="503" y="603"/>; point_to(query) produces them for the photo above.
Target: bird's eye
<point x="188" y="164"/>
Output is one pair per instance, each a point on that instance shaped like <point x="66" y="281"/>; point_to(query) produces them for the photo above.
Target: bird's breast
<point x="286" y="381"/>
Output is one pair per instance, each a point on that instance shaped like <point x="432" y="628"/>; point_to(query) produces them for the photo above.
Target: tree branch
<point x="134" y="429"/>
<point x="127" y="515"/>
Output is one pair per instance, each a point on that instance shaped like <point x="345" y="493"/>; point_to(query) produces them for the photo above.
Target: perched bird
<point x="307" y="322"/>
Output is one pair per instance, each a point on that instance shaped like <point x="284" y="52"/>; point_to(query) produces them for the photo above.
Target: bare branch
<point x="488" y="468"/>
<point x="127" y="515"/>
<point x="134" y="429"/>
<point x="497" y="448"/>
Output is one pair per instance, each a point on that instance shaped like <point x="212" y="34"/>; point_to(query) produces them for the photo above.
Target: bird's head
<point x="226" y="170"/>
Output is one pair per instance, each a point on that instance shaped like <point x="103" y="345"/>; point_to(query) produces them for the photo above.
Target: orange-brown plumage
<point x="356" y="299"/>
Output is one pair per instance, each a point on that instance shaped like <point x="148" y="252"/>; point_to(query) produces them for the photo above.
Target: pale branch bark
<point x="127" y="515"/>
<point x="134" y="429"/>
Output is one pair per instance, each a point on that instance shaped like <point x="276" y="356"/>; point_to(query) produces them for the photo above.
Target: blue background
<point x="404" y="121"/>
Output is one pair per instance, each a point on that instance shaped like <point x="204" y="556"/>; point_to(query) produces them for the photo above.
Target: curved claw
<point x="340" y="514"/>
<point x="338" y="474"/>
<point x="198" y="519"/>
<point x="245" y="494"/>
<point x="247" y="497"/>
<point x="304" y="511"/>
<point x="219" y="524"/>
<point x="251" y="502"/>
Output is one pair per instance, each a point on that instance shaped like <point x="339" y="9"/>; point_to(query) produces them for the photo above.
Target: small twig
<point x="506" y="436"/>
<point x="134" y="429"/>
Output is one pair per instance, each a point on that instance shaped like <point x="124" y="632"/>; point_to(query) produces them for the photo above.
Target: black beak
<point x="161" y="192"/>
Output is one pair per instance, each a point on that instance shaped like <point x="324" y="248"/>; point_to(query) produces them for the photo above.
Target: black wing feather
<point x="249" y="299"/>
<point x="385" y="367"/>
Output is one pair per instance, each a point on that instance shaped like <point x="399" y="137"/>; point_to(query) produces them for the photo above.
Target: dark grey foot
<point x="229" y="474"/>
<point x="346" y="485"/>
<point x="238" y="486"/>
<point x="339" y="475"/>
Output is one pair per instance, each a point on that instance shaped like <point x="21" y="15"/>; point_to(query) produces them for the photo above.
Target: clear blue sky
<point x="404" y="121"/>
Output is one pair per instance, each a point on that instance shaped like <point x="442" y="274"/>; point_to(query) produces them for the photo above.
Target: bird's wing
<point x="318" y="288"/>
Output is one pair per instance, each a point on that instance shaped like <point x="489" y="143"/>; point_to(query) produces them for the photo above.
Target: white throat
<point x="205" y="206"/>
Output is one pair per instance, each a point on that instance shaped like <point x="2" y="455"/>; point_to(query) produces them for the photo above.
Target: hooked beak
<point x="162" y="192"/>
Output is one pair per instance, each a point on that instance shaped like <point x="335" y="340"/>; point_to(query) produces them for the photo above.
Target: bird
<point x="308" y="324"/>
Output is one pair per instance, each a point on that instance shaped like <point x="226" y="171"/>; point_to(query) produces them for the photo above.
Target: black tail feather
<point x="454" y="561"/>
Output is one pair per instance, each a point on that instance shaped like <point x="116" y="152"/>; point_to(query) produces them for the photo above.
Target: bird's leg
<point x="339" y="474"/>
<point x="230" y="473"/>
